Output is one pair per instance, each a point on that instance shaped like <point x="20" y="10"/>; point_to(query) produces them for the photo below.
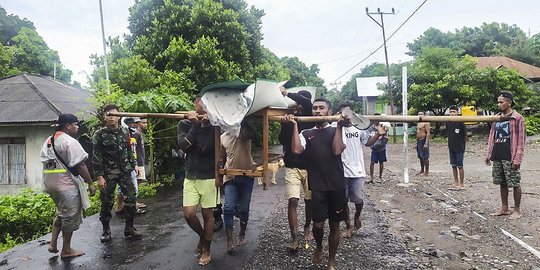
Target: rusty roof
<point x="525" y="70"/>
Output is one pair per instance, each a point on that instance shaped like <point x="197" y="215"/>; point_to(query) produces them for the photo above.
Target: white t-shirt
<point x="71" y="152"/>
<point x="353" y="156"/>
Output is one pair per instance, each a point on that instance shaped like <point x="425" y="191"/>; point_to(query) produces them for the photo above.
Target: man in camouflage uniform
<point x="113" y="162"/>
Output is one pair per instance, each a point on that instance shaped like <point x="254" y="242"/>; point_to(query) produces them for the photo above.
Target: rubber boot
<point x="130" y="231"/>
<point x="106" y="235"/>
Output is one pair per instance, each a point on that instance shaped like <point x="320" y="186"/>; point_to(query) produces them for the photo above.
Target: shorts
<point x="456" y="159"/>
<point x="296" y="181"/>
<point x="354" y="189"/>
<point x="203" y="191"/>
<point x="378" y="156"/>
<point x="69" y="209"/>
<point x="420" y="151"/>
<point x="504" y="174"/>
<point x="331" y="205"/>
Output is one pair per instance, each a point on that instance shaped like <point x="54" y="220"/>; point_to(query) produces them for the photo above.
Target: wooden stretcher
<point x="265" y="115"/>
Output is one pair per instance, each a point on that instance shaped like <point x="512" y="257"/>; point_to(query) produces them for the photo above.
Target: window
<point x="12" y="161"/>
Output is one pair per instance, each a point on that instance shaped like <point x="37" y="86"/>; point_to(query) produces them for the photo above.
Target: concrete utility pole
<point x="104" y="43"/>
<point x="405" y="112"/>
<point x="389" y="85"/>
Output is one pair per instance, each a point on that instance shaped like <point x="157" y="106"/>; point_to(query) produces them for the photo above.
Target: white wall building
<point x="29" y="104"/>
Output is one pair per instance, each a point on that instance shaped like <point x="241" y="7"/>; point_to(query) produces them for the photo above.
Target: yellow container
<point x="469" y="111"/>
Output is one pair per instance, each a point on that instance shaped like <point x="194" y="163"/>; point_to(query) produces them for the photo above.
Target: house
<point x="529" y="73"/>
<point x="29" y="105"/>
<point x="368" y="89"/>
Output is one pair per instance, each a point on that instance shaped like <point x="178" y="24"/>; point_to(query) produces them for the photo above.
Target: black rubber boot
<point x="106" y="235"/>
<point x="131" y="232"/>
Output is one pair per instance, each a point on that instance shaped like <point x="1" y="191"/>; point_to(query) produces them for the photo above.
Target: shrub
<point x="147" y="190"/>
<point x="28" y="215"/>
<point x="24" y="216"/>
<point x="533" y="125"/>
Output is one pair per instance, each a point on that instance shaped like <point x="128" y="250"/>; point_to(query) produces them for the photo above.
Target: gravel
<point x="373" y="247"/>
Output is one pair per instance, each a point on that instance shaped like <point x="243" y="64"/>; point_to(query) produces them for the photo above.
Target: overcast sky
<point x="336" y="34"/>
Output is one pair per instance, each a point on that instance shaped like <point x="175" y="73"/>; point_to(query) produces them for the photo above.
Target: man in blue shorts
<point x="457" y="138"/>
<point x="378" y="151"/>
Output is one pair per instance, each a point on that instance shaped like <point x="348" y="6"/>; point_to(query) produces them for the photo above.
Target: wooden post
<point x="266" y="127"/>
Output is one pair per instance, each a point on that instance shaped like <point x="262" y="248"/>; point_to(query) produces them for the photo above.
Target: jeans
<point x="237" y="193"/>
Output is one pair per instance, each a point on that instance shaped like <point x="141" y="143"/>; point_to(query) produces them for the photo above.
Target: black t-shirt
<point x="501" y="148"/>
<point x="456" y="133"/>
<point x="325" y="170"/>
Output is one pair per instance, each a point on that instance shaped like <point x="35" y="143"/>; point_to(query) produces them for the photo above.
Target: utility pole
<point x="104" y="43"/>
<point x="389" y="85"/>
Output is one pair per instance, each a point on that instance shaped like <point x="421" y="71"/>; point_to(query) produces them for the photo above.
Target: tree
<point x="489" y="82"/>
<point x="490" y="39"/>
<point x="190" y="20"/>
<point x="176" y="47"/>
<point x="300" y="74"/>
<point x="133" y="74"/>
<point x="439" y="80"/>
<point x="203" y="62"/>
<point x="31" y="54"/>
<point x="23" y="50"/>
<point x="430" y="38"/>
<point x="6" y="59"/>
<point x="10" y="25"/>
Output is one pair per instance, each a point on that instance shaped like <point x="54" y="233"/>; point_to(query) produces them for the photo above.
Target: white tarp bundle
<point x="227" y="107"/>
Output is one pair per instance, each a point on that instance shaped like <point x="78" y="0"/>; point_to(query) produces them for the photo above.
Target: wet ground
<point x="168" y="242"/>
<point x="420" y="226"/>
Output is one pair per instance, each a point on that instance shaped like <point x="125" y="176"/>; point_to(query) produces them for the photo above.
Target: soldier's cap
<point x="65" y="118"/>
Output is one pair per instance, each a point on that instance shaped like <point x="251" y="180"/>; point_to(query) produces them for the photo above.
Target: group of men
<point x="322" y="160"/>
<point x="506" y="144"/>
<point x="117" y="160"/>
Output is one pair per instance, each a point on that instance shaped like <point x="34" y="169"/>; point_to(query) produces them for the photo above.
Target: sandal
<point x="141" y="205"/>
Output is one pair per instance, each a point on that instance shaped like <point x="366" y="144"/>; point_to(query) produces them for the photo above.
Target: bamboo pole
<point x="332" y="118"/>
<point x="399" y="118"/>
<point x="428" y="118"/>
<point x="153" y="115"/>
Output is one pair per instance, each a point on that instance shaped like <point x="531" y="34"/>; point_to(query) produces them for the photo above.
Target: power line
<point x="378" y="48"/>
